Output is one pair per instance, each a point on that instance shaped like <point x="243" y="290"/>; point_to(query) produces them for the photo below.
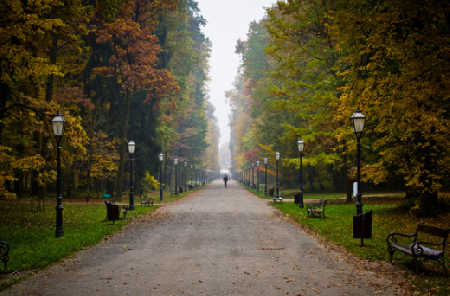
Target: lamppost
<point x="248" y="175"/>
<point x="277" y="156"/>
<point x="185" y="165"/>
<point x="161" y="158"/>
<point x="58" y="123"/>
<point x="131" y="147"/>
<point x="265" y="175"/>
<point x="253" y="175"/>
<point x="175" y="162"/>
<point x="196" y="179"/>
<point x="191" y="176"/>
<point x="358" y="120"/>
<point x="257" y="176"/>
<point x="204" y="176"/>
<point x="301" y="147"/>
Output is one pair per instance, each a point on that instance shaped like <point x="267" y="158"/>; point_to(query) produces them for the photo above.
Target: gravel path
<point x="218" y="241"/>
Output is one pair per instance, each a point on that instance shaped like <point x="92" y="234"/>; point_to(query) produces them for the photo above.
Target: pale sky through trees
<point x="227" y="22"/>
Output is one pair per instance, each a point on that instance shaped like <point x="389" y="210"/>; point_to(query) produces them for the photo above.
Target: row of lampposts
<point x="58" y="124"/>
<point x="200" y="174"/>
<point x="358" y="120"/>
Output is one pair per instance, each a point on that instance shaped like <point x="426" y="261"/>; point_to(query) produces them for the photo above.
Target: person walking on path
<point x="225" y="179"/>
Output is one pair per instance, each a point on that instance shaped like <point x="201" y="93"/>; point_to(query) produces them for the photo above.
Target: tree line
<point x="309" y="64"/>
<point x="117" y="70"/>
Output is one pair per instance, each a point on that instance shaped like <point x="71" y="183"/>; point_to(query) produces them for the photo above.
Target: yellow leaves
<point x="149" y="182"/>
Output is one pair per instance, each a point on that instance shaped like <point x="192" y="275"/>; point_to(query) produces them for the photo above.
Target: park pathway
<point x="218" y="241"/>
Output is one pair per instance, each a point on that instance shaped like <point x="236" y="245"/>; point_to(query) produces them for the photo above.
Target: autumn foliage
<point x="309" y="64"/>
<point x="112" y="68"/>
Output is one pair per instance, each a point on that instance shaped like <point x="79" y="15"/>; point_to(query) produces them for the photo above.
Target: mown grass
<point x="338" y="228"/>
<point x="31" y="234"/>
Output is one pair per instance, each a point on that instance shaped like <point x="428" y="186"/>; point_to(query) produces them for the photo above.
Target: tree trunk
<point x="165" y="171"/>
<point x="347" y="181"/>
<point x="18" y="184"/>
<point x="71" y="178"/>
<point x="123" y="146"/>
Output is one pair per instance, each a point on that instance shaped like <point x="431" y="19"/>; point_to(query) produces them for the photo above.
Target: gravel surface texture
<point x="218" y="241"/>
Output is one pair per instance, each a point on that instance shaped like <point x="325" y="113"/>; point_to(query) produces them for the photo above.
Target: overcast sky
<point x="227" y="22"/>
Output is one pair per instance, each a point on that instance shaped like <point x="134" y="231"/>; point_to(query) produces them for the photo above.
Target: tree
<point x="396" y="59"/>
<point x="135" y="49"/>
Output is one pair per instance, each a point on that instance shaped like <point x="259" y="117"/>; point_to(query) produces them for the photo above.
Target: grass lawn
<point x="338" y="227"/>
<point x="31" y="234"/>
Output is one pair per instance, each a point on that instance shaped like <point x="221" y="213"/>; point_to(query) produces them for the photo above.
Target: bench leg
<point x="5" y="261"/>
<point x="391" y="252"/>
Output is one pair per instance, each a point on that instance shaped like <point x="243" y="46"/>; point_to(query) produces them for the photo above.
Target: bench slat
<point x="430" y="229"/>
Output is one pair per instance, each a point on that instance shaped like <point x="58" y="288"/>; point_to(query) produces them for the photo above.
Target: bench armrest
<point x="391" y="239"/>
<point x="418" y="249"/>
<point x="4" y="247"/>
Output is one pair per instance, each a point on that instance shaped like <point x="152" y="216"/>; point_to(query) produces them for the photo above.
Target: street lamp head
<point x="191" y="166"/>
<point x="277" y="155"/>
<point x="358" y="120"/>
<point x="253" y="165"/>
<point x="257" y="163"/>
<point x="58" y="123"/>
<point x="161" y="157"/>
<point x="266" y="160"/>
<point x="185" y="163"/>
<point x="301" y="146"/>
<point x="175" y="161"/>
<point x="131" y="147"/>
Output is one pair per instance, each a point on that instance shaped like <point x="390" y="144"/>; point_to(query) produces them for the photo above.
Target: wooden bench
<point x="417" y="249"/>
<point x="317" y="210"/>
<point x="146" y="200"/>
<point x="274" y="198"/>
<point x="113" y="211"/>
<point x="4" y="253"/>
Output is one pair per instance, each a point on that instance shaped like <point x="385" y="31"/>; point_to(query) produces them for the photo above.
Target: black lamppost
<point x="358" y="120"/>
<point x="175" y="162"/>
<point x="257" y="176"/>
<point x="131" y="147"/>
<point x="204" y="176"/>
<point x="277" y="156"/>
<point x="191" y="176"/>
<point x="161" y="158"/>
<point x="58" y="123"/>
<point x="265" y="175"/>
<point x="196" y="176"/>
<point x="301" y="147"/>
<point x="253" y="175"/>
<point x="247" y="182"/>
<point x="185" y="186"/>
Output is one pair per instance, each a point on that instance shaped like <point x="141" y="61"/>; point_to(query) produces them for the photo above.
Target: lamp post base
<point x="300" y="203"/>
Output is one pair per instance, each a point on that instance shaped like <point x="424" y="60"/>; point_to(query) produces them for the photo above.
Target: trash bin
<point x="297" y="198"/>
<point x="362" y="225"/>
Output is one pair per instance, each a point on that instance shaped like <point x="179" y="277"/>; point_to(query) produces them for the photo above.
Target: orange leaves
<point x="136" y="49"/>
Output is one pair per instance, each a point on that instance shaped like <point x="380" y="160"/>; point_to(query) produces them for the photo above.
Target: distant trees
<point x="116" y="70"/>
<point x="309" y="64"/>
